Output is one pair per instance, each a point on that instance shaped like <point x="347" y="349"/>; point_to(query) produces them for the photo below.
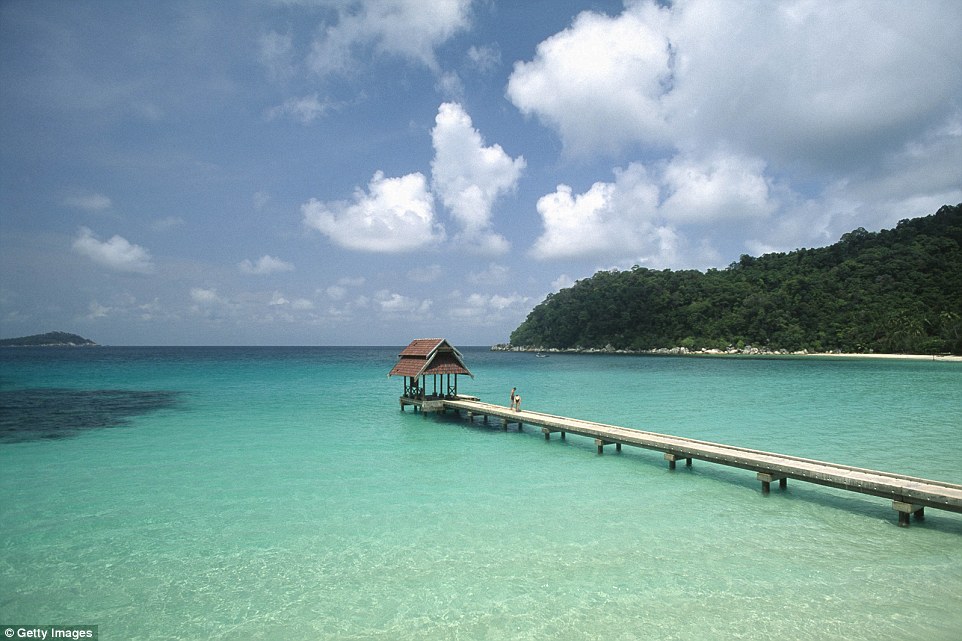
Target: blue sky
<point x="324" y="172"/>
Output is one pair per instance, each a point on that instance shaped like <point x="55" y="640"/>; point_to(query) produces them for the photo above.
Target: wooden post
<point x="672" y="458"/>
<point x="906" y="509"/>
<point x="767" y="477"/>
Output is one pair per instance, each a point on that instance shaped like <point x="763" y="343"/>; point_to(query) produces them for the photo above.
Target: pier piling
<point x="910" y="495"/>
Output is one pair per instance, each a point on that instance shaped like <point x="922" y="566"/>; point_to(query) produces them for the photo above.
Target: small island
<point x="50" y="339"/>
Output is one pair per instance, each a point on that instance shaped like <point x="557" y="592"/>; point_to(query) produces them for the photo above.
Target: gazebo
<point x="434" y="357"/>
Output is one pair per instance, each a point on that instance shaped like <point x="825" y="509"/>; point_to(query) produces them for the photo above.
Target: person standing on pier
<point x="511" y="404"/>
<point x="517" y="402"/>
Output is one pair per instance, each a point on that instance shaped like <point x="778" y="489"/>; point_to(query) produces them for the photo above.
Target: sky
<point x="367" y="172"/>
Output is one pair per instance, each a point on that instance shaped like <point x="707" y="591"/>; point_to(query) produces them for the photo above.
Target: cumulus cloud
<point x="838" y="84"/>
<point x="722" y="187"/>
<point x="393" y="215"/>
<point x="638" y="216"/>
<point x="89" y="202"/>
<point x="410" y="29"/>
<point x="824" y="83"/>
<point x="117" y="253"/>
<point x="600" y="82"/>
<point x="265" y="265"/>
<point x="469" y="176"/>
<point x="800" y="121"/>
<point x="608" y="218"/>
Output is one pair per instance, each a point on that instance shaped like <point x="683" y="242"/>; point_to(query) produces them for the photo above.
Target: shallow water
<point x="284" y="495"/>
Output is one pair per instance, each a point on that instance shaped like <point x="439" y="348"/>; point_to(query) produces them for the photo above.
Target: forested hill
<point x="894" y="291"/>
<point x="50" y="339"/>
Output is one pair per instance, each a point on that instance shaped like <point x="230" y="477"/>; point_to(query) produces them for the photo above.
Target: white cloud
<point x="394" y="304"/>
<point x="277" y="55"/>
<point x="339" y="291"/>
<point x="260" y="199"/>
<point x="485" y="58"/>
<point x="205" y="296"/>
<point x="829" y="115"/>
<point x="562" y="282"/>
<point x="609" y="218"/>
<point x="117" y="253"/>
<point x="487" y="309"/>
<point x="600" y="82"/>
<point x="825" y="84"/>
<point x="336" y="292"/>
<point x="351" y="281"/>
<point x="468" y="176"/>
<point x="721" y="187"/>
<point x="838" y="83"/>
<point x="265" y="265"/>
<point x="302" y="304"/>
<point x="494" y="274"/>
<point x="304" y="110"/>
<point x="411" y="29"/>
<point x="89" y="202"/>
<point x="95" y="310"/>
<point x="393" y="215"/>
<point x="639" y="216"/>
<point x="450" y="85"/>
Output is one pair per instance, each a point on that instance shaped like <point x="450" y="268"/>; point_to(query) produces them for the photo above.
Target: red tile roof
<point x="429" y="356"/>
<point x="422" y="346"/>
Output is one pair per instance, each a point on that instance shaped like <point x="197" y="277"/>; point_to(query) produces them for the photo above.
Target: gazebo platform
<point x="437" y="358"/>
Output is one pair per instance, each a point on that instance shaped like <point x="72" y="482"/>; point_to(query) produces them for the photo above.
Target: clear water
<point x="283" y="495"/>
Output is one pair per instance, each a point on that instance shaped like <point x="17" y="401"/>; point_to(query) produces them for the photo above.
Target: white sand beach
<point x="907" y="357"/>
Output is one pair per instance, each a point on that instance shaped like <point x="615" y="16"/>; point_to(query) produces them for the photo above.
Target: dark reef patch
<point x="47" y="413"/>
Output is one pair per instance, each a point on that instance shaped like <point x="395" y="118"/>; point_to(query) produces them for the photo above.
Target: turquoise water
<point x="279" y="493"/>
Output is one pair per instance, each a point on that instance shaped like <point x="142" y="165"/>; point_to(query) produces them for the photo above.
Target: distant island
<point x="50" y="339"/>
<point x="896" y="291"/>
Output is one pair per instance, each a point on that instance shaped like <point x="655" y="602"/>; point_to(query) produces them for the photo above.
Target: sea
<point x="281" y="493"/>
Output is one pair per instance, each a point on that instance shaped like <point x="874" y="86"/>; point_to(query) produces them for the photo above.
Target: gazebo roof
<point x="429" y="356"/>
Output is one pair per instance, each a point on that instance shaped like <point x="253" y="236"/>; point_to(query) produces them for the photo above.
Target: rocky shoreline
<point x="748" y="350"/>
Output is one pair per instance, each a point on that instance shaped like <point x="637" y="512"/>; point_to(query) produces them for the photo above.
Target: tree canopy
<point x="893" y="291"/>
<point x="50" y="338"/>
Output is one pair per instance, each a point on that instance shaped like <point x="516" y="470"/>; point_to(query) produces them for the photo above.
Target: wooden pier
<point x="909" y="495"/>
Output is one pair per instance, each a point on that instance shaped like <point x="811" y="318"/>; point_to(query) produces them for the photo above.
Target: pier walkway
<point x="909" y="495"/>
